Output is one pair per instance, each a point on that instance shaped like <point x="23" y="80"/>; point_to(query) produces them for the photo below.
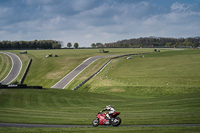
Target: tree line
<point x="36" y="44"/>
<point x="69" y="45"/>
<point x="151" y="42"/>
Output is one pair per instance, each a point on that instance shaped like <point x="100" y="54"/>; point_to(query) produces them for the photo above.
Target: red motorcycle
<point x="101" y="120"/>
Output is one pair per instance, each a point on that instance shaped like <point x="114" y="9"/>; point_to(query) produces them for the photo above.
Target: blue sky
<point x="91" y="21"/>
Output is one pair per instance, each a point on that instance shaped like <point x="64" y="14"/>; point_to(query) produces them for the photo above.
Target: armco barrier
<point x="20" y="86"/>
<point x="76" y="88"/>
<point x="26" y="71"/>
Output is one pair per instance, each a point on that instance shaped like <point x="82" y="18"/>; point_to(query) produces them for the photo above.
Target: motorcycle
<point x="101" y="119"/>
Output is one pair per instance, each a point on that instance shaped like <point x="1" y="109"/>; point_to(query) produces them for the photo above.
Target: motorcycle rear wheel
<point x="116" y="121"/>
<point x="95" y="122"/>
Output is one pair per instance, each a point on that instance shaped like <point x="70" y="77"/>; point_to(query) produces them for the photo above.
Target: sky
<point x="92" y="21"/>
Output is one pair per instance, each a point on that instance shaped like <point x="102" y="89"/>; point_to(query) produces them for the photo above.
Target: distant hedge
<point x="36" y="44"/>
<point x="153" y="42"/>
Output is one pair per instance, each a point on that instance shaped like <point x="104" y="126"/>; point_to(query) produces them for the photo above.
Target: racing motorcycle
<point x="101" y="119"/>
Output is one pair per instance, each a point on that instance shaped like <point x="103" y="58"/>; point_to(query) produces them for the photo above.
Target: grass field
<point x="48" y="71"/>
<point x="87" y="73"/>
<point x="172" y="72"/>
<point x="25" y="59"/>
<point x="106" y="129"/>
<point x="5" y="65"/>
<point x="159" y="88"/>
<point x="75" y="107"/>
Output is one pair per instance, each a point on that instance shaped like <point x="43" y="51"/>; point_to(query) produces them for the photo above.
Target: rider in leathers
<point x="110" y="110"/>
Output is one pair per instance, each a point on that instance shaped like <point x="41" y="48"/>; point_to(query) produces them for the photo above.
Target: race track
<point x="15" y="70"/>
<point x="69" y="77"/>
<point x="70" y="126"/>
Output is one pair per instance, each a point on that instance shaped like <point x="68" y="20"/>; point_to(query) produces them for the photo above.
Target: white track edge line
<point x="70" y="73"/>
<point x="79" y="73"/>
<point x="11" y="67"/>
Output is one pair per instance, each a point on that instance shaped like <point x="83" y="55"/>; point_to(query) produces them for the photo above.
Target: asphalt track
<point x="69" y="77"/>
<point x="15" y="70"/>
<point x="70" y="126"/>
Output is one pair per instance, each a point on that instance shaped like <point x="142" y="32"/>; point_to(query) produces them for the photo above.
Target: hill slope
<point x="73" y="107"/>
<point x="172" y="72"/>
<point x="145" y="103"/>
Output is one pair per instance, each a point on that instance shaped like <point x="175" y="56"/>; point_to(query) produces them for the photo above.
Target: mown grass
<point x="99" y="63"/>
<point x="25" y="60"/>
<point x="48" y="71"/>
<point x="51" y="106"/>
<point x="141" y="100"/>
<point x="172" y="72"/>
<point x="186" y="129"/>
<point x="87" y="73"/>
<point x="5" y="65"/>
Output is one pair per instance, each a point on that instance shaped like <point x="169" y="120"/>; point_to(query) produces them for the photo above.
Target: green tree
<point x="169" y="44"/>
<point x="93" y="45"/>
<point x="56" y="46"/>
<point x="69" y="44"/>
<point x="76" y="45"/>
<point x="187" y="43"/>
<point x="99" y="45"/>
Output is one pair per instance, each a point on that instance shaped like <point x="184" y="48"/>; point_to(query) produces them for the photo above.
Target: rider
<point x="110" y="110"/>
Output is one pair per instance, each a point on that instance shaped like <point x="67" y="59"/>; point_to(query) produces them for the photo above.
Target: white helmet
<point x="108" y="106"/>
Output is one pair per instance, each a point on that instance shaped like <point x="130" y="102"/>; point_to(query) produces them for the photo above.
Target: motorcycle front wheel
<point x="116" y="121"/>
<point x="95" y="122"/>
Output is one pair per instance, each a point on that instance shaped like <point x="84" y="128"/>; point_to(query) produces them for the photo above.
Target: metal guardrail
<point x="20" y="86"/>
<point x="26" y="71"/>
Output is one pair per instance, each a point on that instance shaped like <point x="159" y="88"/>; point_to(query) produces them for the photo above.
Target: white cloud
<point x="179" y="7"/>
<point x="31" y="2"/>
<point x="91" y="21"/>
<point x="80" y="5"/>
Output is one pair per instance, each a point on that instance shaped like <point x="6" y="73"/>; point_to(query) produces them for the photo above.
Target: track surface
<point x="15" y="70"/>
<point x="68" y="126"/>
<point x="69" y="77"/>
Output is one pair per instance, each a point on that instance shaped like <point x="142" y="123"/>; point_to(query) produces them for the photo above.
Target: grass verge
<point x="75" y="107"/>
<point x="142" y="103"/>
<point x="171" y="72"/>
<point x="48" y="71"/>
<point x="186" y="129"/>
<point x="5" y="65"/>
